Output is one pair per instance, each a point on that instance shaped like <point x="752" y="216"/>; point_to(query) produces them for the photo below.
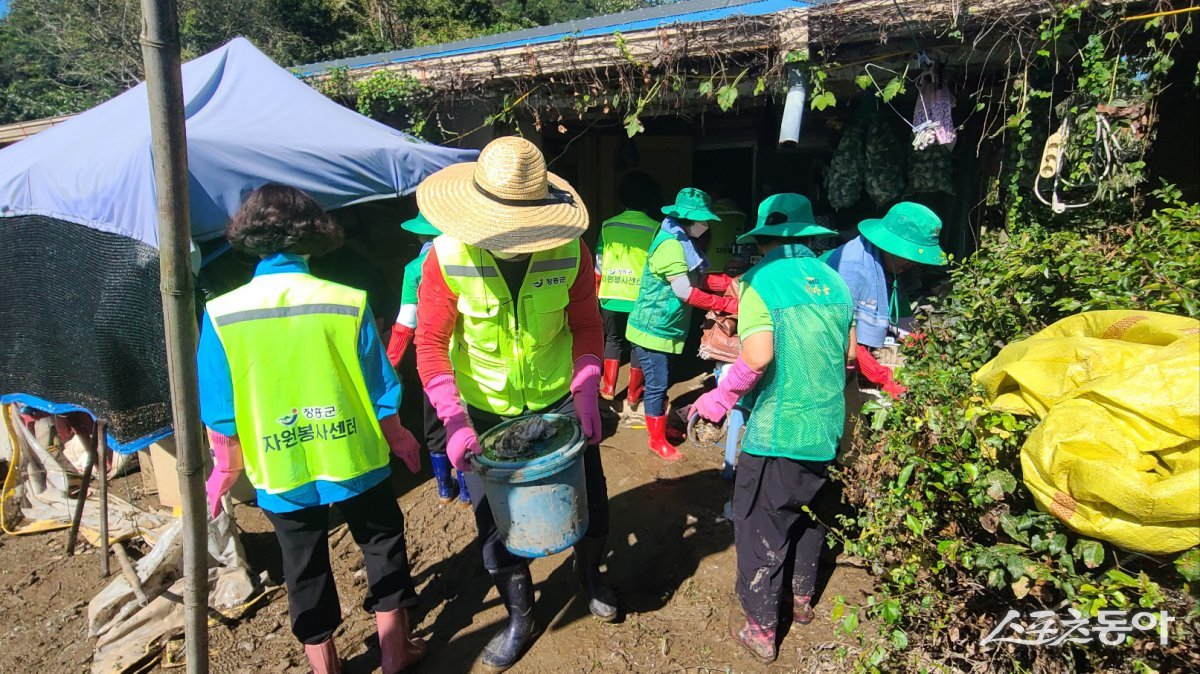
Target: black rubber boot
<point x="601" y="601"/>
<point x="516" y="591"/>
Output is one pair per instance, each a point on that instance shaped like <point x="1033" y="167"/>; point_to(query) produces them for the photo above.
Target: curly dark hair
<point x="282" y="219"/>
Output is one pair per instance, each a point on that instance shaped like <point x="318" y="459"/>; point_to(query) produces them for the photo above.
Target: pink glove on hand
<point x="735" y="383"/>
<point x="585" y="390"/>
<point x="461" y="440"/>
<point x="227" y="466"/>
<point x="402" y="443"/>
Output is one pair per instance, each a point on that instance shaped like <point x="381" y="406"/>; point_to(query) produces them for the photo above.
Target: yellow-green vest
<point x="626" y="239"/>
<point x="301" y="404"/>
<point x="510" y="357"/>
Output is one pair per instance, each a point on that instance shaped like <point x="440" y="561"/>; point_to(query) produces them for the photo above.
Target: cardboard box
<point x="163" y="479"/>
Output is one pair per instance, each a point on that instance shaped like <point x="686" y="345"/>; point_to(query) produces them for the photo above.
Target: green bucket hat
<point x="785" y="215"/>
<point x="420" y="226"/>
<point x="909" y="231"/>
<point x="691" y="204"/>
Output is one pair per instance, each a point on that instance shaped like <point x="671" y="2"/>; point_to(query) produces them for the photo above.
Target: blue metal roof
<point x="688" y="11"/>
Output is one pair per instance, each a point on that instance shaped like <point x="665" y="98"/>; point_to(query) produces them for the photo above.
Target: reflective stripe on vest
<point x="300" y="401"/>
<point x="659" y="311"/>
<point x="627" y="240"/>
<point x="510" y="359"/>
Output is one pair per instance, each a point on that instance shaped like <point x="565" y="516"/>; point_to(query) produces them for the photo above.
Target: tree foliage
<point x="64" y="56"/>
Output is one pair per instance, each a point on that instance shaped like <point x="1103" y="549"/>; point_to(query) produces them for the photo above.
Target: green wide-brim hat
<point x="691" y="204"/>
<point x="420" y="226"/>
<point x="785" y="215"/>
<point x="908" y="230"/>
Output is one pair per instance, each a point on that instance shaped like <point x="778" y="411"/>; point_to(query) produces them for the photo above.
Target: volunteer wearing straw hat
<point x="508" y="323"/>
<point x="794" y="321"/>
<point x="662" y="315"/>
<point x="402" y="336"/>
<point x="295" y="389"/>
<point x="872" y="264"/>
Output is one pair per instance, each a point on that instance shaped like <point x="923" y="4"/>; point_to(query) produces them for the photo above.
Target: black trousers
<point x="435" y="432"/>
<point x="377" y="526"/>
<point x="615" y="344"/>
<point x="769" y="526"/>
<point x="496" y="557"/>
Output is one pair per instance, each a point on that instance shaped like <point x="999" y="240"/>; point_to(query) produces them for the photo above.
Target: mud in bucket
<point x="539" y="504"/>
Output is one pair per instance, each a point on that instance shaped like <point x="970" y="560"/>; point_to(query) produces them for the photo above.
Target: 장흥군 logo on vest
<point x="310" y="413"/>
<point x="552" y="281"/>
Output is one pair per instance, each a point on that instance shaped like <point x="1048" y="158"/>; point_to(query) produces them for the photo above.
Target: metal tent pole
<point x="164" y="88"/>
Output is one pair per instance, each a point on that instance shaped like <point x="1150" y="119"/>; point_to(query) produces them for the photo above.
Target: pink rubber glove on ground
<point x="461" y="440"/>
<point x="737" y="382"/>
<point x="401" y="442"/>
<point x="227" y="466"/>
<point x="585" y="389"/>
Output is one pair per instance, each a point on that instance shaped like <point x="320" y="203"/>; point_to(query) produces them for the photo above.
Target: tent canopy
<point x="249" y="122"/>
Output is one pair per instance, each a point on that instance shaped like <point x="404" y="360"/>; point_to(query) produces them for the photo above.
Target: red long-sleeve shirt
<point x="437" y="314"/>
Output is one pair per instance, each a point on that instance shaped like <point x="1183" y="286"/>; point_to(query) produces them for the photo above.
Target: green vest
<point x="510" y="359"/>
<point x="302" y="407"/>
<point x="800" y="410"/>
<point x="625" y="242"/>
<point x="659" y="312"/>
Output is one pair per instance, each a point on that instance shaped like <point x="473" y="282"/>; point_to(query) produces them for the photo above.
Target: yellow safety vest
<point x="626" y="240"/>
<point x="508" y="359"/>
<point x="300" y="401"/>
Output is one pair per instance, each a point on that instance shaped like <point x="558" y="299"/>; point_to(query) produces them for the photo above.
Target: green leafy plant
<point x="942" y="516"/>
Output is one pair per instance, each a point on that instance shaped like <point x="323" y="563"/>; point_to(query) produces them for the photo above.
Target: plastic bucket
<point x="540" y="505"/>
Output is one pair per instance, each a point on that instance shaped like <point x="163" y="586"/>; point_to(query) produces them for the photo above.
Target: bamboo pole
<point x="164" y="89"/>
<point x="100" y="459"/>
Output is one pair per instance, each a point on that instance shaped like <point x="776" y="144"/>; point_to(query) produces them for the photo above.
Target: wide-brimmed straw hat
<point x="785" y="215"/>
<point x="908" y="230"/>
<point x="505" y="202"/>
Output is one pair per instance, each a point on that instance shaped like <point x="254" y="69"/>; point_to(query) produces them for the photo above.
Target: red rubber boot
<point x="657" y="428"/>
<point x="637" y="386"/>
<point x="608" y="385"/>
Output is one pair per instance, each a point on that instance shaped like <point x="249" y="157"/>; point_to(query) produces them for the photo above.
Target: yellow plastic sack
<point x="1117" y="455"/>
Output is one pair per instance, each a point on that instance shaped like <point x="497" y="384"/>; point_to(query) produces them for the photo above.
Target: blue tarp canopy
<point x="82" y="323"/>
<point x="249" y="122"/>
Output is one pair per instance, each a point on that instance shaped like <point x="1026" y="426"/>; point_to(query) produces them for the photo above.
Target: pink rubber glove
<point x="461" y="440"/>
<point x="227" y="466"/>
<point x="401" y="442"/>
<point x="585" y="389"/>
<point x="737" y="382"/>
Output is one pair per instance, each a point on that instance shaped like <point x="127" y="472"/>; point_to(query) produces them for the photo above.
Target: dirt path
<point x="672" y="564"/>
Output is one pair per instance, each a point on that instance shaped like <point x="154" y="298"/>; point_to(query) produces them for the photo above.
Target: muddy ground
<point x="671" y="563"/>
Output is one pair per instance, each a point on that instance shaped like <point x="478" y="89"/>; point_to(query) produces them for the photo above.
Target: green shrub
<point x="942" y="516"/>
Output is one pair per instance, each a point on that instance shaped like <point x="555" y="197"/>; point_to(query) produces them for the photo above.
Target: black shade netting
<point x="81" y="323"/>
